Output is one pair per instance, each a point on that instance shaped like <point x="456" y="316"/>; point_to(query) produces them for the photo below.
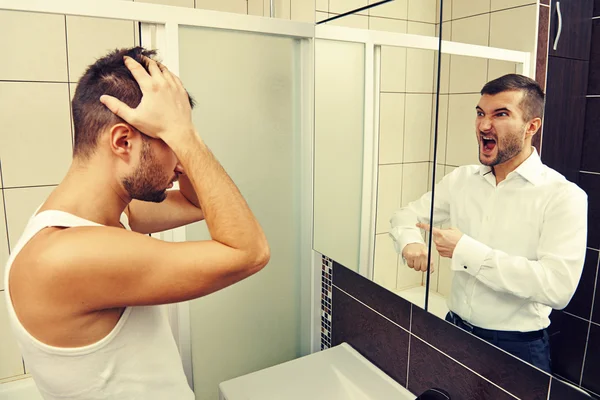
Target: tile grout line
<point x="589" y="172"/>
<point x="576" y="316"/>
<point x="4" y="207"/>
<point x="409" y="335"/>
<point x="549" y="389"/>
<point x="69" y="82"/>
<point x="587" y="339"/>
<point x="29" y="187"/>
<point x="467" y="368"/>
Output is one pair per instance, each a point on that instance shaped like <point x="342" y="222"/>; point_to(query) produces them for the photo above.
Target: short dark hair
<point x="532" y="103"/>
<point x="108" y="75"/>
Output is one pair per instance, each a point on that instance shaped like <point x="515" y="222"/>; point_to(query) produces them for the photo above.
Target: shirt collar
<point x="530" y="169"/>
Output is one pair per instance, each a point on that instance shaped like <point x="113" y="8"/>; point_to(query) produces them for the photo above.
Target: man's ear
<point x="533" y="127"/>
<point x="124" y="139"/>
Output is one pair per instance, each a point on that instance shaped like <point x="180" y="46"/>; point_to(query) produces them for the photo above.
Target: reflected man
<point x="517" y="236"/>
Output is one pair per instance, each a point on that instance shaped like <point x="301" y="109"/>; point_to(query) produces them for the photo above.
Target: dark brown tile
<point x="563" y="391"/>
<point x="591" y="371"/>
<point x="568" y="335"/>
<point x="591" y="136"/>
<point x="581" y="303"/>
<point x="596" y="8"/>
<point x="547" y="2"/>
<point x="385" y="302"/>
<point x="542" y="47"/>
<point x="429" y="368"/>
<point x="594" y="75"/>
<point x="591" y="184"/>
<point x="376" y="338"/>
<point x="492" y="363"/>
<point x="596" y="311"/>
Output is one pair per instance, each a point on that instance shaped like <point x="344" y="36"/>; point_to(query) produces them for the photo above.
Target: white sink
<point x="337" y="373"/>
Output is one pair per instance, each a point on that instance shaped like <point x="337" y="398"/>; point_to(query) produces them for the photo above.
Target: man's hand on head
<point x="445" y="239"/>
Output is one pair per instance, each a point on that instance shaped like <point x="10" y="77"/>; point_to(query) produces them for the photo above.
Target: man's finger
<point x="139" y="73"/>
<point x="155" y="71"/>
<point x="117" y="107"/>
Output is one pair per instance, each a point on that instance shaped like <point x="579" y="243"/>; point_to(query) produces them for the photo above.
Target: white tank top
<point x="138" y="359"/>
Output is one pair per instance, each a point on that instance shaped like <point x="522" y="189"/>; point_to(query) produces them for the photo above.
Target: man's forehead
<point x="507" y="99"/>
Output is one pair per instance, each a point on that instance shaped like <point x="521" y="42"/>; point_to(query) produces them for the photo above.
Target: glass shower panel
<point x="338" y="157"/>
<point x="246" y="86"/>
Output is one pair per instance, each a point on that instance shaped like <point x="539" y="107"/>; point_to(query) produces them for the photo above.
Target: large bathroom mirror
<point x="482" y="41"/>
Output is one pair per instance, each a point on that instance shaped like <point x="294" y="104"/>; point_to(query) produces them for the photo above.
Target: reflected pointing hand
<point x="445" y="239"/>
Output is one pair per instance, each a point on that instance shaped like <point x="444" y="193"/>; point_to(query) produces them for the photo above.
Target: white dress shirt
<point x="524" y="242"/>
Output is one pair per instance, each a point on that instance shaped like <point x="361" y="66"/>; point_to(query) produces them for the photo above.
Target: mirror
<point x="412" y="119"/>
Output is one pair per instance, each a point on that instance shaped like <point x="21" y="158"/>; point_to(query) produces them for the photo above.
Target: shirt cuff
<point x="469" y="255"/>
<point x="402" y="237"/>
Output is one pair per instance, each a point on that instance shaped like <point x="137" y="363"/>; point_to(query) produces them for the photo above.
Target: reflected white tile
<point x="449" y="169"/>
<point x="435" y="260"/>
<point x="352" y="21"/>
<point x="44" y="142"/>
<point x="420" y="75"/>
<point x="502" y="4"/>
<point x="256" y="7"/>
<point x="176" y="3"/>
<point x="422" y="10"/>
<point x="417" y="132"/>
<point x="391" y="127"/>
<point x="282" y="8"/>
<point x="467" y="74"/>
<point x="407" y="277"/>
<point x="342" y="6"/>
<point x="397" y="9"/>
<point x="462" y="147"/>
<point x="33" y="47"/>
<point x="415" y="179"/>
<point x="497" y="68"/>
<point x="393" y="69"/>
<point x="11" y="363"/>
<point x="514" y="29"/>
<point x="303" y="10"/>
<point x="321" y="16"/>
<point x="107" y="34"/>
<point x="21" y="204"/>
<point x="472" y="30"/>
<point x="442" y="129"/>
<point x="466" y="8"/>
<point x="387" y="25"/>
<point x="444" y="74"/>
<point x="445" y="276"/>
<point x="385" y="267"/>
<point x="322" y="5"/>
<point x="4" y="251"/>
<point x="446" y="12"/>
<point x="389" y="195"/>
<point x="422" y="28"/>
<point x="232" y="6"/>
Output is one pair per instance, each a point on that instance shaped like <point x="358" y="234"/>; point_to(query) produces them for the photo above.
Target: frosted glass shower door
<point x="246" y="86"/>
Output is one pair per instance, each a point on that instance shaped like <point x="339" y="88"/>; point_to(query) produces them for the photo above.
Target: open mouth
<point x="488" y="143"/>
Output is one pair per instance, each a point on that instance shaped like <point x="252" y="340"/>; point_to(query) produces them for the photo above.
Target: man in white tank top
<point x="82" y="290"/>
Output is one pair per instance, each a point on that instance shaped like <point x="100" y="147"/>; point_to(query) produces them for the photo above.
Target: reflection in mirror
<point x="510" y="232"/>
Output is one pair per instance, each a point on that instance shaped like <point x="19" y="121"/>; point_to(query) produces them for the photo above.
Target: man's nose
<point x="485" y="124"/>
<point x="179" y="168"/>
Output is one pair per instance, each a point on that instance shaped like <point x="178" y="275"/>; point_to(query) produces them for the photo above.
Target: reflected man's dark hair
<point x="532" y="103"/>
<point x="108" y="75"/>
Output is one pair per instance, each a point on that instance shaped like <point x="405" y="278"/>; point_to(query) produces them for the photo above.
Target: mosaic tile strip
<point x="326" y="294"/>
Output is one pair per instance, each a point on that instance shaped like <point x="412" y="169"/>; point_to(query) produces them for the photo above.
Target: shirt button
<point x="464" y="266"/>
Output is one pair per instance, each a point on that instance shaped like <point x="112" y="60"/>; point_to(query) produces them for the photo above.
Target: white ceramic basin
<point x="337" y="373"/>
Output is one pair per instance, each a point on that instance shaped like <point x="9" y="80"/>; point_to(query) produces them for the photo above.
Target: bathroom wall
<point x="421" y="351"/>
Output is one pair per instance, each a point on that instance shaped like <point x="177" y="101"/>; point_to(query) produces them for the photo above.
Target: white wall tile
<point x="419" y="70"/>
<point x="462" y="147"/>
<point x="467" y="74"/>
<point x="385" y="267"/>
<point x="445" y="276"/>
<point x="342" y="6"/>
<point x="11" y="363"/>
<point x="422" y="10"/>
<point x="498" y="68"/>
<point x="21" y="203"/>
<point x="352" y="21"/>
<point x="446" y="12"/>
<point x="283" y="8"/>
<point x="33" y="47"/>
<point x="391" y="127"/>
<point x="321" y="16"/>
<point x="514" y="29"/>
<point x="232" y="6"/>
<point x="39" y="133"/>
<point x="176" y="3"/>
<point x="387" y="25"/>
<point x="322" y="5"/>
<point x="4" y="253"/>
<point x="407" y="277"/>
<point x="256" y="7"/>
<point x="397" y="9"/>
<point x="389" y="195"/>
<point x="442" y="128"/>
<point x="92" y="38"/>
<point x="422" y="28"/>
<point x="303" y="10"/>
<point x="466" y="8"/>
<point x="472" y="30"/>
<point x="444" y="74"/>
<point x="502" y="4"/>
<point x="393" y="69"/>
<point x="415" y="178"/>
<point x="435" y="260"/>
<point x="417" y="128"/>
